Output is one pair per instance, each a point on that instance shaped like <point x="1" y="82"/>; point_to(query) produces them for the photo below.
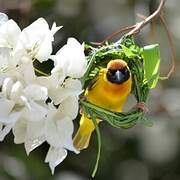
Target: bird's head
<point x="117" y="71"/>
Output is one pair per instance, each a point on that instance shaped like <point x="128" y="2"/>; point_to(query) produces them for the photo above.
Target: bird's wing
<point x="92" y="83"/>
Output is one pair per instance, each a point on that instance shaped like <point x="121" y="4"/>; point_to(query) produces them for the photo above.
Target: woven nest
<point x="99" y="57"/>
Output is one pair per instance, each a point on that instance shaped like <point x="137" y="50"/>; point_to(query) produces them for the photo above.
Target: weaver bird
<point x="109" y="90"/>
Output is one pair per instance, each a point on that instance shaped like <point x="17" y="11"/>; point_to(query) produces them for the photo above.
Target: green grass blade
<point x="99" y="144"/>
<point x="127" y="51"/>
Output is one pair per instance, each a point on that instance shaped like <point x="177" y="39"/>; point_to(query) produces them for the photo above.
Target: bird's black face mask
<point x="118" y="76"/>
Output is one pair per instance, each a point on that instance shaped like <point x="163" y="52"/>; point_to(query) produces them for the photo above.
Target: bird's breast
<point x="108" y="95"/>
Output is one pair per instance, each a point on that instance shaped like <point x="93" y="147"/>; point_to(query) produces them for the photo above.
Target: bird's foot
<point x="142" y="106"/>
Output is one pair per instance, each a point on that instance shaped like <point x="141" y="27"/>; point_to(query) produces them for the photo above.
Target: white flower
<point x="39" y="109"/>
<point x="36" y="40"/>
<point x="71" y="87"/>
<point x="9" y="65"/>
<point x="21" y="100"/>
<point x="60" y="88"/>
<point x="9" y="34"/>
<point x="71" y="59"/>
<point x="56" y="128"/>
<point x="59" y="129"/>
<point x="7" y="117"/>
<point x="31" y="133"/>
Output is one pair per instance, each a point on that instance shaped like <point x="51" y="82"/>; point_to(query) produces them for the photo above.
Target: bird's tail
<point x="81" y="141"/>
<point x="83" y="135"/>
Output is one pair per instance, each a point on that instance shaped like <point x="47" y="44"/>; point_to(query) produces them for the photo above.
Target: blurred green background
<point x="140" y="153"/>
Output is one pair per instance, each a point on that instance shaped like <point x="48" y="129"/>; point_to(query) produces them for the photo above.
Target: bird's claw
<point x="142" y="106"/>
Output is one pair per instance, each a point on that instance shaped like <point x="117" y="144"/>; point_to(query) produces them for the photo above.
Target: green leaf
<point x="127" y="51"/>
<point x="151" y="56"/>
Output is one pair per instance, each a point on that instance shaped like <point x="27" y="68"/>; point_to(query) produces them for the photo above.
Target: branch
<point x="136" y="28"/>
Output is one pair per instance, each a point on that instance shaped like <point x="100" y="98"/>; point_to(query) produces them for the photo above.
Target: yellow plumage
<point x="105" y="94"/>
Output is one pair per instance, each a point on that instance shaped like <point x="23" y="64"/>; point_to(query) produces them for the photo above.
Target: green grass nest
<point x="144" y="66"/>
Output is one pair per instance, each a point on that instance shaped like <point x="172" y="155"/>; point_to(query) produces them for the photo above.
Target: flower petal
<point x="27" y="72"/>
<point x="69" y="107"/>
<point x="51" y="133"/>
<point x="6" y="87"/>
<point x="6" y="108"/>
<point x="45" y="49"/>
<point x="6" y="60"/>
<point x="55" y="28"/>
<point x="55" y="156"/>
<point x="34" y="135"/>
<point x="72" y="87"/>
<point x="16" y="91"/>
<point x="3" y="18"/>
<point x="5" y="131"/>
<point x="71" y="56"/>
<point x="19" y="131"/>
<point x="65" y="129"/>
<point x="35" y="92"/>
<point x="36" y="40"/>
<point x="31" y="144"/>
<point x="35" y="111"/>
<point x="9" y="34"/>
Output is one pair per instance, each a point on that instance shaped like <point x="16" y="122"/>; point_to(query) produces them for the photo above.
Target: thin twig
<point x="141" y="24"/>
<point x="173" y="51"/>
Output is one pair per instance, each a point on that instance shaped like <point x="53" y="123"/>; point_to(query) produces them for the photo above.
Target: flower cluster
<point x="39" y="108"/>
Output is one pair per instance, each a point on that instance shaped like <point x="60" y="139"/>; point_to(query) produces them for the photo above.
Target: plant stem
<point x="40" y="72"/>
<point x="171" y="44"/>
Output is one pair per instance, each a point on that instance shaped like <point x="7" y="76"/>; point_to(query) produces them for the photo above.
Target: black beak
<point x="118" y="76"/>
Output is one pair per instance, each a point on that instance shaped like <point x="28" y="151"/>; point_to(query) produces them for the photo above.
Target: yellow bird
<point x="110" y="91"/>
